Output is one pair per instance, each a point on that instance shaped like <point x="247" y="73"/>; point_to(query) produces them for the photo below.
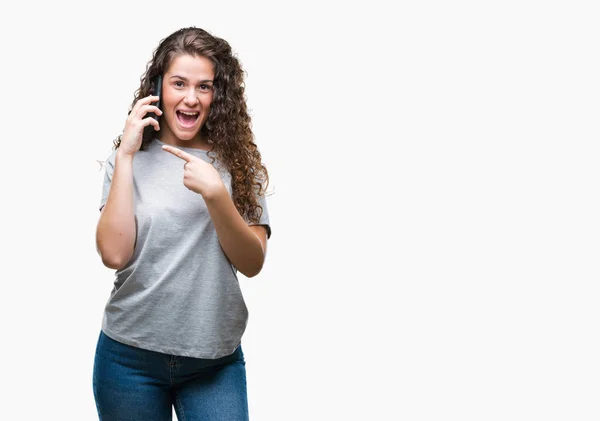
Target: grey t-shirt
<point x="179" y="294"/>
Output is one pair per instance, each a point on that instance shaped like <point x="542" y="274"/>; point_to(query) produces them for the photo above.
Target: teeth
<point x="187" y="113"/>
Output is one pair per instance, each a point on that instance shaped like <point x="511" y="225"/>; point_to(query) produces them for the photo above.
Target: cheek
<point x="171" y="95"/>
<point x="170" y="98"/>
<point x="207" y="101"/>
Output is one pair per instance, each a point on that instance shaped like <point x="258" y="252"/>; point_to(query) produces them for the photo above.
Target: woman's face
<point x="187" y="92"/>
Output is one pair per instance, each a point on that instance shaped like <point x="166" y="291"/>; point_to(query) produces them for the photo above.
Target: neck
<point x="197" y="142"/>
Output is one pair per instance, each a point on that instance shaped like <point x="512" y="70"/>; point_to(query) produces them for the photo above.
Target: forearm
<point x="242" y="247"/>
<point x="115" y="233"/>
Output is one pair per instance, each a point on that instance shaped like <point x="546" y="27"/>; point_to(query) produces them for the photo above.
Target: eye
<point x="205" y="88"/>
<point x="178" y="84"/>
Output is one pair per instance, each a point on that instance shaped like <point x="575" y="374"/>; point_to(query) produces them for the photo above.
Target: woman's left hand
<point x="198" y="175"/>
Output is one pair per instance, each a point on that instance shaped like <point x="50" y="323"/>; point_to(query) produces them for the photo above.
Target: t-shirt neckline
<point x="185" y="148"/>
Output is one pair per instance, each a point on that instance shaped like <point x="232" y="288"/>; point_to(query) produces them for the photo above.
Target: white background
<point x="435" y="209"/>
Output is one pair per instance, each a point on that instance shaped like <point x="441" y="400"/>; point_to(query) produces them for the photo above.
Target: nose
<point x="191" y="98"/>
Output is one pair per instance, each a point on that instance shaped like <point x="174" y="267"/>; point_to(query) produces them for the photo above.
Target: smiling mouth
<point x="187" y="119"/>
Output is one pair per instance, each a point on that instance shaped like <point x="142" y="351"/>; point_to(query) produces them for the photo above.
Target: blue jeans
<point x="133" y="384"/>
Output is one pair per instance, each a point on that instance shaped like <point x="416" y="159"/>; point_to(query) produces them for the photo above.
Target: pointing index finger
<point x="178" y="153"/>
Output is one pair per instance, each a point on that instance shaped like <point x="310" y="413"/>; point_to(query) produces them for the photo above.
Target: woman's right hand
<point x="131" y="141"/>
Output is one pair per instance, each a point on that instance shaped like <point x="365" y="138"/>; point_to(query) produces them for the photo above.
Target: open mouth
<point x="187" y="119"/>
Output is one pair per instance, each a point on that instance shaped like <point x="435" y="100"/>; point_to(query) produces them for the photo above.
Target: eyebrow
<point x="186" y="79"/>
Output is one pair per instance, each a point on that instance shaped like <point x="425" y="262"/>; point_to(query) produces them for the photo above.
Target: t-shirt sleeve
<point x="264" y="218"/>
<point x="109" y="168"/>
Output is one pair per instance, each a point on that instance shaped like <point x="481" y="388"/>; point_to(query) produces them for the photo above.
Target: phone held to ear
<point x="156" y="91"/>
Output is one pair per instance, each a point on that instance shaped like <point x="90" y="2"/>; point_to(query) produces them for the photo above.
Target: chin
<point x="187" y="135"/>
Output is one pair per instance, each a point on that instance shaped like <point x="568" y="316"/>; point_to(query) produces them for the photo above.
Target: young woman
<point x="182" y="210"/>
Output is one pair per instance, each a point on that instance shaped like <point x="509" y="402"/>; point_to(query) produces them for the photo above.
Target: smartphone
<point x="156" y="91"/>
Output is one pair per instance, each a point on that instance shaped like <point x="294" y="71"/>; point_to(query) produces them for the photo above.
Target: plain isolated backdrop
<point x="435" y="205"/>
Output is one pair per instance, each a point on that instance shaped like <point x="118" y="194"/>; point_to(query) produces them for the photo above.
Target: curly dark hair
<point x="228" y="126"/>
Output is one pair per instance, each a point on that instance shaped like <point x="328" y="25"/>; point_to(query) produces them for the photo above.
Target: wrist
<point x="122" y="155"/>
<point x="215" y="193"/>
